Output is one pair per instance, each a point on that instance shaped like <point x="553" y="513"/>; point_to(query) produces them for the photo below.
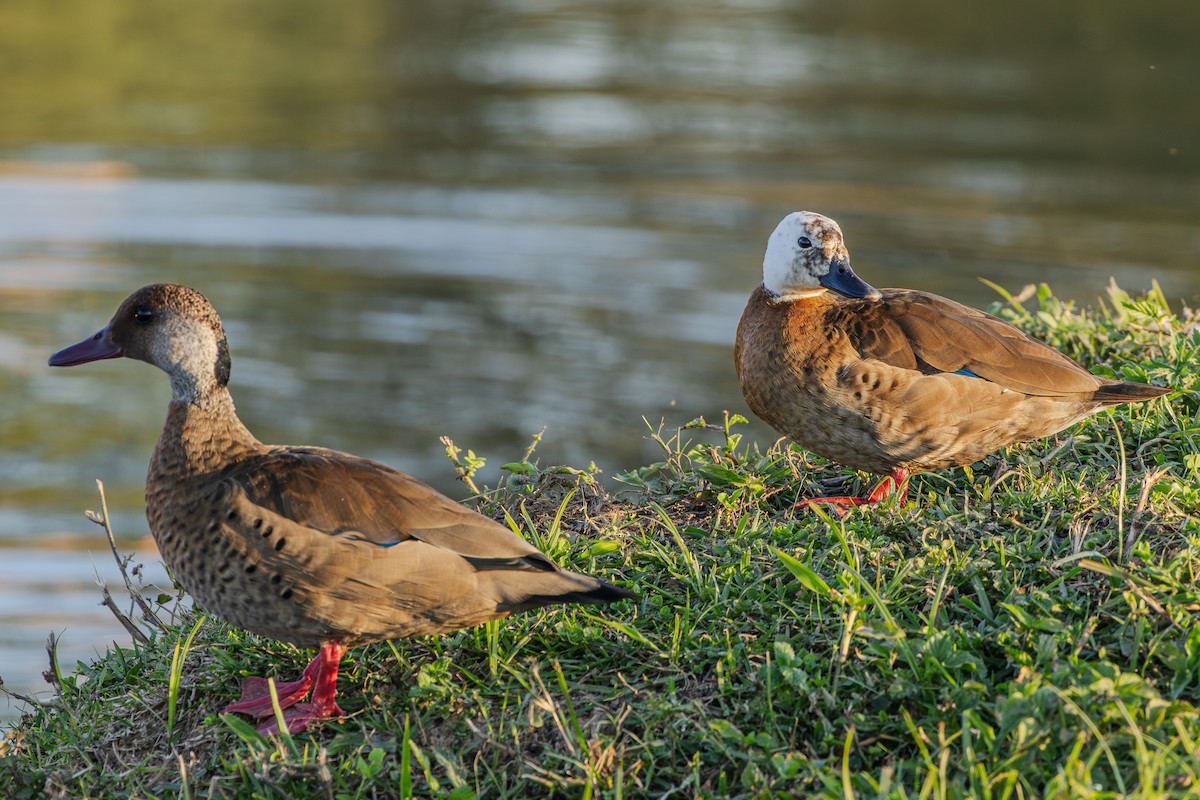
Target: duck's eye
<point x="142" y="315"/>
<point x="804" y="241"/>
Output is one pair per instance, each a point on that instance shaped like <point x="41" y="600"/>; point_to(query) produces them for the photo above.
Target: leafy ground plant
<point x="1026" y="628"/>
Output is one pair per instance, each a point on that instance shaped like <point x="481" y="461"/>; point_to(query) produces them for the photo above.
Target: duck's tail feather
<point x="563" y="586"/>
<point x="1113" y="394"/>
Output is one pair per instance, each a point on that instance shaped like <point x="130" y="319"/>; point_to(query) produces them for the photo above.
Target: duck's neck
<point x="201" y="437"/>
<point x="791" y="295"/>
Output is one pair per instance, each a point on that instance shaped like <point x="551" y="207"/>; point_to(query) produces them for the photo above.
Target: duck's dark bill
<point x="842" y="280"/>
<point x="93" y="349"/>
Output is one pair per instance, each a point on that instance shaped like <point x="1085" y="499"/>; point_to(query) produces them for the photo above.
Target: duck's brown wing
<point x="346" y="496"/>
<point x="330" y="547"/>
<point x="925" y="332"/>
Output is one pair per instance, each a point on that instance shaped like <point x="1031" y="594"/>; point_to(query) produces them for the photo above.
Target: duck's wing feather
<point x="372" y="553"/>
<point x="346" y="496"/>
<point x="916" y="330"/>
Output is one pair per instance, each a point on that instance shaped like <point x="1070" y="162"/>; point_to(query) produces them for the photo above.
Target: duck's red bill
<point x="96" y="348"/>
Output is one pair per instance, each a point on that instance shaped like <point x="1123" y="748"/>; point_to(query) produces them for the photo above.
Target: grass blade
<point x="177" y="659"/>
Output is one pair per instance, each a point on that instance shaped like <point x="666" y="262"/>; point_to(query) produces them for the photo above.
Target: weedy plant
<point x="1026" y="628"/>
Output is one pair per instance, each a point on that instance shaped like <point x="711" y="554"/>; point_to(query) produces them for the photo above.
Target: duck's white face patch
<point x="187" y="350"/>
<point x="799" y="253"/>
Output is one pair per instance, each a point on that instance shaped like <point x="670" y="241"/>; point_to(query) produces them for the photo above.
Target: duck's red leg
<point x="895" y="483"/>
<point x="320" y="675"/>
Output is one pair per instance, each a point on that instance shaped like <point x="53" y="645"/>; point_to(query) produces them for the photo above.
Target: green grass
<point x="1026" y="628"/>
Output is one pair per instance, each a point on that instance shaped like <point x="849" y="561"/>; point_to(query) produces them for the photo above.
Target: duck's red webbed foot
<point x="320" y="676"/>
<point x="895" y="483"/>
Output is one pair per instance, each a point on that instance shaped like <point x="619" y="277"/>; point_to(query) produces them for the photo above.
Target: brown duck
<point x="311" y="546"/>
<point x="896" y="381"/>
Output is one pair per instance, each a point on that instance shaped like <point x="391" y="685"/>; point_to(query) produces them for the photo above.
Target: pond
<point x="485" y="219"/>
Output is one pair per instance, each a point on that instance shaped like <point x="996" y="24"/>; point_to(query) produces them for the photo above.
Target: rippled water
<point x="485" y="219"/>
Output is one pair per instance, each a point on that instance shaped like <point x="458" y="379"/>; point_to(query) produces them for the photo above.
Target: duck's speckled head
<point x="171" y="326"/>
<point x="806" y="256"/>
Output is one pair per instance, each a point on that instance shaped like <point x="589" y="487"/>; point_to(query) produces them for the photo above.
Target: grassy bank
<point x="1023" y="629"/>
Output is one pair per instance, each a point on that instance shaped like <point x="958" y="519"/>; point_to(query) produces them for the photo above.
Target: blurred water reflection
<point x="481" y="219"/>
